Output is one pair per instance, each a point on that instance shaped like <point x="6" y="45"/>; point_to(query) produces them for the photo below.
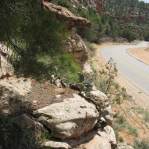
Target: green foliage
<point x="128" y="19"/>
<point x="38" y="38"/>
<point x="141" y="144"/>
<point x="46" y="136"/>
<point x="62" y="64"/>
<point x="13" y="137"/>
<point x="105" y="81"/>
<point x="121" y="123"/>
<point x="64" y="3"/>
<point x="144" y="113"/>
<point x="92" y="33"/>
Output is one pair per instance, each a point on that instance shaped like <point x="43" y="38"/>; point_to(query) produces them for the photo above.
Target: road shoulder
<point x="141" y="54"/>
<point x="128" y="108"/>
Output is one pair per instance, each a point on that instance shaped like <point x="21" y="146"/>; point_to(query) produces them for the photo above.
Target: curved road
<point x="136" y="71"/>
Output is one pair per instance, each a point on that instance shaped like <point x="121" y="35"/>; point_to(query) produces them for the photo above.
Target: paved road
<point x="135" y="71"/>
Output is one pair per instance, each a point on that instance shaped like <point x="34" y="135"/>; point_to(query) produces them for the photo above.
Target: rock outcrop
<point x="108" y="134"/>
<point x="97" y="142"/>
<point x="12" y="92"/>
<point x="94" y="4"/>
<point x="65" y="15"/>
<point x="76" y="46"/>
<point x="69" y="119"/>
<point x="6" y="68"/>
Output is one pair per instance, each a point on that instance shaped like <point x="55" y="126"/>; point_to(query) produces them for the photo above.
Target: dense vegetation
<point x="119" y="18"/>
<point x="132" y="17"/>
<point x="37" y="38"/>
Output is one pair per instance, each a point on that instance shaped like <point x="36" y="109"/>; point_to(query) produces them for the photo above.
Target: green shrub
<point x="38" y="41"/>
<point x="62" y="64"/>
<point x="141" y="145"/>
<point x="13" y="137"/>
<point x="64" y="3"/>
<point x="144" y="113"/>
<point x="105" y="81"/>
<point x="121" y="123"/>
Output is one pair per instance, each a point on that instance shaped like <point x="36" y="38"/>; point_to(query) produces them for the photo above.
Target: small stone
<point x="56" y="145"/>
<point x="124" y="146"/>
<point x="58" y="83"/>
<point x="58" y="96"/>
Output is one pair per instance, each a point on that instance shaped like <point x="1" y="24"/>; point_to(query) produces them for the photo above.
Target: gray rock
<point x="107" y="114"/>
<point x="109" y="134"/>
<point x="99" y="99"/>
<point x="76" y="46"/>
<point x="64" y="14"/>
<point x="11" y="102"/>
<point x="58" y="83"/>
<point x="6" y="67"/>
<point x="97" y="142"/>
<point x="70" y="118"/>
<point x="56" y="145"/>
<point x="124" y="146"/>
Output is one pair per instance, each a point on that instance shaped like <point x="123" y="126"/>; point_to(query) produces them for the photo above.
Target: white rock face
<point x="5" y="65"/>
<point x="69" y="119"/>
<point x="20" y="85"/>
<point x="56" y="145"/>
<point x="97" y="143"/>
<point x="108" y="134"/>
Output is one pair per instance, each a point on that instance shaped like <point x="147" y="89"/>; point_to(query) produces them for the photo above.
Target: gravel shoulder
<point x="141" y="54"/>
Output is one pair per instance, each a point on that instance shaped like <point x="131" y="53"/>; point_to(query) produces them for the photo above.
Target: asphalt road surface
<point x="136" y="71"/>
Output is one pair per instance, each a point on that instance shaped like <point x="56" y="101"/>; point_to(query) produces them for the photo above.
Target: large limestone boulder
<point x="70" y="118"/>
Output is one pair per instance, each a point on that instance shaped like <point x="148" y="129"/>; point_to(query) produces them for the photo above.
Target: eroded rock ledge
<point x="66" y="15"/>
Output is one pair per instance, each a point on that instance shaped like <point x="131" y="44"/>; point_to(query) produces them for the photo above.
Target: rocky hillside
<point x="63" y="119"/>
<point x="44" y="100"/>
<point x="47" y="99"/>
